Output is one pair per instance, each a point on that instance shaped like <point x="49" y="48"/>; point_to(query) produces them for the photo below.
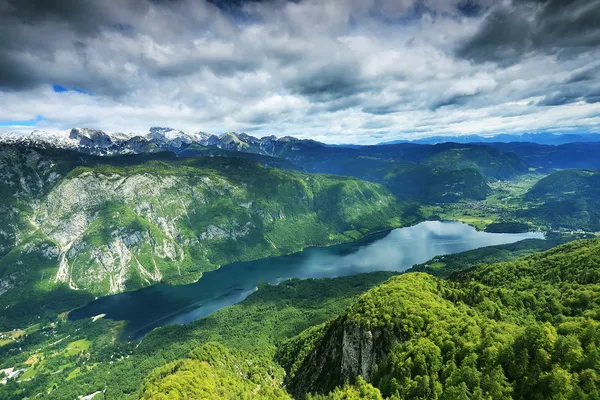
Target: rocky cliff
<point x="105" y="225"/>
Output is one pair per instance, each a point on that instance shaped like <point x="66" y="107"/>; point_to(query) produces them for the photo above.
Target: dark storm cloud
<point x="329" y="83"/>
<point x="581" y="85"/>
<point x="83" y="43"/>
<point x="37" y="34"/>
<point x="562" y="27"/>
<point x="84" y="16"/>
<point x="571" y="94"/>
<point x="586" y="74"/>
<point x="455" y="100"/>
<point x="14" y="74"/>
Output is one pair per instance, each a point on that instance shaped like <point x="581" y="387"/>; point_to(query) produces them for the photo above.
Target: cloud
<point x="339" y="71"/>
<point x="513" y="30"/>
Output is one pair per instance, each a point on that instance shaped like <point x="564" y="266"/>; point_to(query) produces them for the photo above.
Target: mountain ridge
<point x="97" y="142"/>
<point x="538" y="138"/>
<point x="102" y="225"/>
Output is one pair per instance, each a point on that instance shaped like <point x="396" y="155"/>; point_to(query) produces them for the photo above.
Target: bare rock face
<point x="100" y="249"/>
<point x="343" y="352"/>
<point x="90" y="137"/>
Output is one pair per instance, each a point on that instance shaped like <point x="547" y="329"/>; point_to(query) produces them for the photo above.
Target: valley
<point x="397" y="250"/>
<point x="263" y="251"/>
<point x="299" y="200"/>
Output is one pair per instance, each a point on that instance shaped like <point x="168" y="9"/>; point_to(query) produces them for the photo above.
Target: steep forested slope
<point x="105" y="225"/>
<point x="254" y="326"/>
<point x="526" y="329"/>
<point x="566" y="199"/>
<point x="435" y="185"/>
<point x="372" y="162"/>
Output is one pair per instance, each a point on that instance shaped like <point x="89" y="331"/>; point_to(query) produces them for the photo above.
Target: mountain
<point x="435" y="185"/>
<point x="549" y="158"/>
<point x="520" y="329"/>
<point x="428" y="173"/>
<point x="566" y="199"/>
<point x="100" y="225"/>
<point x="96" y="142"/>
<point x="541" y="150"/>
<point x="539" y="138"/>
<point x="525" y="329"/>
<point x="248" y="330"/>
<point x="374" y="162"/>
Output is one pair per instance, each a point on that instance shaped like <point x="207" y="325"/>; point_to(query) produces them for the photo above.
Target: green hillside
<point x="254" y="326"/>
<point x="104" y="225"/>
<point x="367" y="162"/>
<point x="214" y="372"/>
<point x="434" y="185"/>
<point x="566" y="199"/>
<point x="526" y="329"/>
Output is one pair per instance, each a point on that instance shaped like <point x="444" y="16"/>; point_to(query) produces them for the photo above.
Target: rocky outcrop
<point x="343" y="352"/>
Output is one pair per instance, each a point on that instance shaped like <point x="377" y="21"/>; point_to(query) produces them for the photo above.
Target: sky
<point x="339" y="71"/>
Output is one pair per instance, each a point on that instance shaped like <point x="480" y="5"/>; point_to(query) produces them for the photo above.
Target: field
<point x="501" y="205"/>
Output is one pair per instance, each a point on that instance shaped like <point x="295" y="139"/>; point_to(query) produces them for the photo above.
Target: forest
<point x="525" y="328"/>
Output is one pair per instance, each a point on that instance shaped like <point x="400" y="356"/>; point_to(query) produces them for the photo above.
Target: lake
<point x="396" y="250"/>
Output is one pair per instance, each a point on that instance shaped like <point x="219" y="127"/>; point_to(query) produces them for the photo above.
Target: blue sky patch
<point x="31" y="122"/>
<point x="61" y="89"/>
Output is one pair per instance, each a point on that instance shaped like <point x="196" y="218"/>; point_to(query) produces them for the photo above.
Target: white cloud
<point x="337" y="71"/>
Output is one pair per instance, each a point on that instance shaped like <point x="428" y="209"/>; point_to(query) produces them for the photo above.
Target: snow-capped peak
<point x="93" y="141"/>
<point x="169" y="134"/>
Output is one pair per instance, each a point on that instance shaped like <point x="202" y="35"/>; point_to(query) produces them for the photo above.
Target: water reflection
<point x="396" y="250"/>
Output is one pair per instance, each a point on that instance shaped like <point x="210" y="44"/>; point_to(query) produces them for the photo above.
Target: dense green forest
<point x="566" y="199"/>
<point x="526" y="328"/>
<point x="213" y="372"/>
<point x="511" y="321"/>
<point x="255" y="326"/>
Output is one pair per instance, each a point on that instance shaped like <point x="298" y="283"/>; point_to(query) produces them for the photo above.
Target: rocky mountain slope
<point x="438" y="173"/>
<point x="360" y="161"/>
<point x="97" y="142"/>
<point x="105" y="225"/>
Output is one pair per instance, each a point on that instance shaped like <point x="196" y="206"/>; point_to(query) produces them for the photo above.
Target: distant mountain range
<point x="500" y="157"/>
<point x="97" y="142"/>
<point x="539" y="138"/>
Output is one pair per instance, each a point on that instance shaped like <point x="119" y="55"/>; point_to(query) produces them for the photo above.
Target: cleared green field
<point x="77" y="347"/>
